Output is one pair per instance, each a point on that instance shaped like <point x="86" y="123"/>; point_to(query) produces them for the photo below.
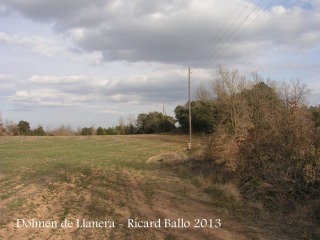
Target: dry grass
<point x="301" y="223"/>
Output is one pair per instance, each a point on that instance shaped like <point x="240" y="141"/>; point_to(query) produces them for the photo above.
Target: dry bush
<point x="222" y="150"/>
<point x="63" y="131"/>
<point x="266" y="139"/>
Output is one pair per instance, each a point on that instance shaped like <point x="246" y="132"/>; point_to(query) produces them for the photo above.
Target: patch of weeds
<point x="16" y="204"/>
<point x="32" y="208"/>
<point x="64" y="214"/>
<point x="111" y="236"/>
<point x="122" y="204"/>
<point x="181" y="192"/>
<point x="82" y="199"/>
<point x="86" y="171"/>
<point x="5" y="196"/>
<point x="170" y="237"/>
<point x="148" y="190"/>
<point x="64" y="178"/>
<point x="99" y="208"/>
<point x="83" y="182"/>
<point x="101" y="193"/>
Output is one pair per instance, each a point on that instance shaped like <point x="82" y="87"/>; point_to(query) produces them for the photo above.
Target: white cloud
<point x="46" y="47"/>
<point x="279" y="10"/>
<point x="50" y="47"/>
<point x="85" y="91"/>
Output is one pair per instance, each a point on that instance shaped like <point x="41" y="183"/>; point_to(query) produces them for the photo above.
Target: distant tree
<point x="142" y="122"/>
<point x="2" y="128"/>
<point x="131" y="125"/>
<point x="87" y="131"/>
<point x="63" y="131"/>
<point x="24" y="128"/>
<point x="121" y="128"/>
<point x="111" y="131"/>
<point x="168" y="123"/>
<point x="204" y="116"/>
<point x="12" y="128"/>
<point x="154" y="122"/>
<point x="130" y="129"/>
<point x="182" y="115"/>
<point x="101" y="131"/>
<point x="39" y="131"/>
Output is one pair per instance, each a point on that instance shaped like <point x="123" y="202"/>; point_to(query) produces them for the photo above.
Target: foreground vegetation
<point x="120" y="177"/>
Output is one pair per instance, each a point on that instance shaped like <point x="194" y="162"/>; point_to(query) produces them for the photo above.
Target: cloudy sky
<point x="86" y="63"/>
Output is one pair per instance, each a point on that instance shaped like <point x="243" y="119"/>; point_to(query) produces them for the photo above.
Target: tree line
<point x="145" y="123"/>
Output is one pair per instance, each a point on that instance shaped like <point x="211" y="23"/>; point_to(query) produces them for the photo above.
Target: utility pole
<point x="189" y="101"/>
<point x="163" y="118"/>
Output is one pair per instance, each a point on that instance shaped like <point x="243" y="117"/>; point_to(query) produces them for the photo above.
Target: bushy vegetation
<point x="264" y="139"/>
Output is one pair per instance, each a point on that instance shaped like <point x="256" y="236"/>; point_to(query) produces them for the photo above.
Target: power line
<point x="244" y="30"/>
<point x="207" y="55"/>
<point x="221" y="50"/>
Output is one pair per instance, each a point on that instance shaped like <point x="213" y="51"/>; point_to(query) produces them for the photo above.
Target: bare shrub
<point x="2" y="128"/>
<point x="266" y="138"/>
<point x="63" y="131"/>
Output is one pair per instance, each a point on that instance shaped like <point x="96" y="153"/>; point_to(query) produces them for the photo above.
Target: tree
<point x="142" y="122"/>
<point x="228" y="87"/>
<point x="12" y="128"/>
<point x="2" y="128"/>
<point x="154" y="122"/>
<point x="111" y="131"/>
<point x="315" y="112"/>
<point x="64" y="131"/>
<point x="131" y="126"/>
<point x="101" y="131"/>
<point x="204" y="116"/>
<point x="87" y="131"/>
<point x="264" y="105"/>
<point x="168" y="123"/>
<point x="39" y="131"/>
<point x="24" y="128"/>
<point x="182" y="116"/>
<point x="121" y="128"/>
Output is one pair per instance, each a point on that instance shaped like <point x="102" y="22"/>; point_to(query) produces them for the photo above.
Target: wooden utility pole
<point x="163" y="118"/>
<point x="189" y="101"/>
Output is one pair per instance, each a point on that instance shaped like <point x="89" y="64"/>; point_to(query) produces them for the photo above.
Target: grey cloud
<point x="52" y="9"/>
<point x="170" y="31"/>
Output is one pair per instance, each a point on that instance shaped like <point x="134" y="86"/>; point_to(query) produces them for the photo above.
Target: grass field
<point x="60" y="180"/>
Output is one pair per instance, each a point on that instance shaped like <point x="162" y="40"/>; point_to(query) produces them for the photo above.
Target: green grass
<point x="34" y="157"/>
<point x="78" y="177"/>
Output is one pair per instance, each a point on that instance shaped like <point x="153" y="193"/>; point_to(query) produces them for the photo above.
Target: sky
<point x="89" y="63"/>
